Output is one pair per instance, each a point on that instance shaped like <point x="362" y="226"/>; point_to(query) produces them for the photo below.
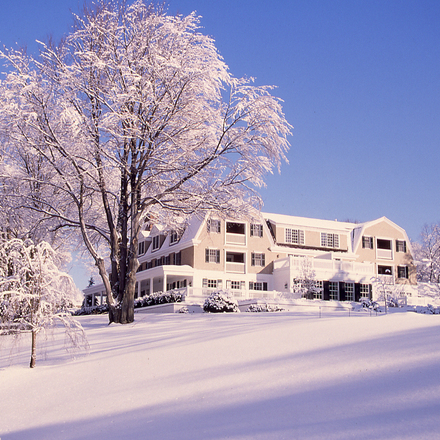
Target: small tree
<point x="305" y="283"/>
<point x="427" y="254"/>
<point x="35" y="293"/>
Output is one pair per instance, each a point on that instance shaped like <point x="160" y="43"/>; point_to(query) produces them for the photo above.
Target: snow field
<point x="237" y="376"/>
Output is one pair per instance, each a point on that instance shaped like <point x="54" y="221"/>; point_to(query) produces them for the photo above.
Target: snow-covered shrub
<point x="183" y="309"/>
<point x="159" y="298"/>
<point x="369" y="304"/>
<point x="393" y="302"/>
<point x="264" y="308"/>
<point x="220" y="301"/>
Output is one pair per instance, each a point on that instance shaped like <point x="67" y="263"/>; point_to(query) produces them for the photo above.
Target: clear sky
<point x="360" y="82"/>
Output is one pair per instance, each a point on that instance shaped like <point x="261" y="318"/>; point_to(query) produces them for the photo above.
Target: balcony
<point x="235" y="239"/>
<point x="232" y="267"/>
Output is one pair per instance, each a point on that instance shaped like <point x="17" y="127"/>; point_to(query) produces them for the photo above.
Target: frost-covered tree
<point x="305" y="283"/>
<point x="427" y="254"/>
<point x="135" y="118"/>
<point x="35" y="293"/>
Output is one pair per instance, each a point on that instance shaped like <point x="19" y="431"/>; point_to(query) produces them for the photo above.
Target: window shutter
<point x="206" y="255"/>
<point x="217" y="256"/>
<point x="252" y="259"/>
<point x="357" y="292"/>
<point x="263" y="260"/>
<point x="326" y="292"/>
<point x="342" y="291"/>
<point x="265" y="286"/>
<point x="251" y="285"/>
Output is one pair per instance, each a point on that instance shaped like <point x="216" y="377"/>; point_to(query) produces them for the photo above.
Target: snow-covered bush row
<point x="219" y="302"/>
<point x="264" y="308"/>
<point x="159" y="298"/>
<point x="427" y="310"/>
<point x="95" y="310"/>
<point x="144" y="301"/>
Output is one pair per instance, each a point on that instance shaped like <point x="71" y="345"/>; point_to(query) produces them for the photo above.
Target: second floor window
<point x="400" y="245"/>
<point x="402" y="271"/>
<point x="212" y="255"/>
<point x="142" y="248"/>
<point x="367" y="242"/>
<point x="258" y="259"/>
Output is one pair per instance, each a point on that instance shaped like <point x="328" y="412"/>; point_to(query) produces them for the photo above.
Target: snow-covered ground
<point x="230" y="376"/>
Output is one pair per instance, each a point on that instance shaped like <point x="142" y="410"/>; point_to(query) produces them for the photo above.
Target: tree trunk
<point x="33" y="349"/>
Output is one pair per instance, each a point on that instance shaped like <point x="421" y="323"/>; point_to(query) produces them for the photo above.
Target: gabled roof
<point x="359" y="231"/>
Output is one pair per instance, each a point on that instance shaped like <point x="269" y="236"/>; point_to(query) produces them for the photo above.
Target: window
<point x="166" y="260"/>
<point x="156" y="242"/>
<point x="317" y="293"/>
<point x="400" y="245"/>
<point x="333" y="287"/>
<point x="258" y="259"/>
<point x="235" y="257"/>
<point x="256" y="230"/>
<point x="235" y="228"/>
<point x="211" y="284"/>
<point x="212" y="256"/>
<point x="213" y="226"/>
<point x="402" y="271"/>
<point x="383" y="244"/>
<point x="235" y="285"/>
<point x="367" y="243"/>
<point x="142" y="248"/>
<point x="257" y="285"/>
<point x="365" y="290"/>
<point x="174" y="237"/>
<point x="384" y="270"/>
<point x="349" y="292"/>
<point x="295" y="236"/>
<point x="178" y="259"/>
<point x="329" y="240"/>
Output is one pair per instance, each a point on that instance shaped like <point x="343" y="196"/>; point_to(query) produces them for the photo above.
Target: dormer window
<point x="174" y="237"/>
<point x="329" y="240"/>
<point x="294" y="236"/>
<point x="141" y="247"/>
<point x="156" y="242"/>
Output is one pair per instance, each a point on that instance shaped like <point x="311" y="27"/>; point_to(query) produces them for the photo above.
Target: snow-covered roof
<point x="291" y="220"/>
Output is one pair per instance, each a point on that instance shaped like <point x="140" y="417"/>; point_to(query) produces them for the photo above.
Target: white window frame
<point x="213" y="226"/>
<point x="364" y="290"/>
<point x="401" y="246"/>
<point x="330" y="240"/>
<point x="212" y="255"/>
<point x="294" y="236"/>
<point x="333" y="289"/>
<point x="258" y="259"/>
<point x="156" y="243"/>
<point x="367" y="242"/>
<point x="349" y="291"/>
<point x="256" y="230"/>
<point x="174" y="237"/>
<point x="406" y="272"/>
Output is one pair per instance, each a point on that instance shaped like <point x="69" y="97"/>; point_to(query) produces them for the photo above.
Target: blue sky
<point x="360" y="82"/>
